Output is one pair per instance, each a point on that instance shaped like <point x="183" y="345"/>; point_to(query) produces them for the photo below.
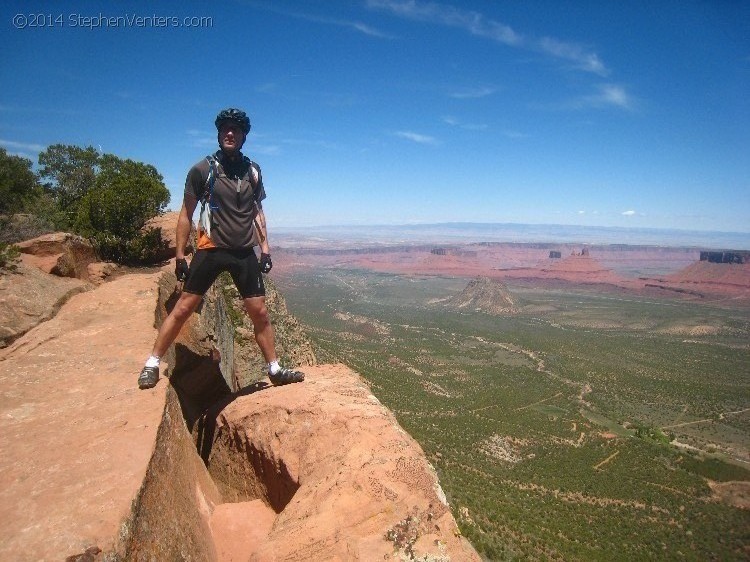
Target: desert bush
<point x="9" y="256"/>
<point x="19" y="185"/>
<point x="114" y="211"/>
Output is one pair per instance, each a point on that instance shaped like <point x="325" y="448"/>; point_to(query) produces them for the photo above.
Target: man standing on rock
<point x="229" y="187"/>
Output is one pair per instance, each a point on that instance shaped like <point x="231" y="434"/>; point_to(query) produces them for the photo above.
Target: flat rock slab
<point x="29" y="297"/>
<point x="77" y="433"/>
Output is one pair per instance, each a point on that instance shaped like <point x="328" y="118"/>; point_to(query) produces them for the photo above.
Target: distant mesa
<point x="584" y="252"/>
<point x="453" y="252"/>
<point x="555" y="255"/>
<point x="726" y="257"/>
<point x="485" y="295"/>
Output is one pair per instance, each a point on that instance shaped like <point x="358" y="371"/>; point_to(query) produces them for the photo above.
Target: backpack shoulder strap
<point x="208" y="188"/>
<point x="253" y="172"/>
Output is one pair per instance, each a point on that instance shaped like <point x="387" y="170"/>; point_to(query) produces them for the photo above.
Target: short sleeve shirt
<point x="238" y="187"/>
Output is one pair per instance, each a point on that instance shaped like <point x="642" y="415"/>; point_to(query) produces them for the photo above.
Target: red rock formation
<point x="168" y="224"/>
<point x="29" y="297"/>
<point x="336" y="470"/>
<point x="486" y="295"/>
<point x="312" y="471"/>
<point x="59" y="253"/>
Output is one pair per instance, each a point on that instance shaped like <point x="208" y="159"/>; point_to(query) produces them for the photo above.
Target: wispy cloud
<point x="26" y="147"/>
<point x="349" y="24"/>
<point x="629" y="213"/>
<point x="201" y="139"/>
<point x="579" y="56"/>
<point x="603" y="96"/>
<point x="354" y="25"/>
<point x="454" y="122"/>
<point x="417" y="137"/>
<point x="610" y="95"/>
<point x="475" y="23"/>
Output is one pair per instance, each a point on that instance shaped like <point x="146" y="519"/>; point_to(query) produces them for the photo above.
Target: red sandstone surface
<point x="88" y="463"/>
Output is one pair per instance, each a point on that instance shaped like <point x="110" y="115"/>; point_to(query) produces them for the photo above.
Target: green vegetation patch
<point x="551" y="436"/>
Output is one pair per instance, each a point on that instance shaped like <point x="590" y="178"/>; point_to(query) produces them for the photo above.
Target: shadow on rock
<point x="203" y="394"/>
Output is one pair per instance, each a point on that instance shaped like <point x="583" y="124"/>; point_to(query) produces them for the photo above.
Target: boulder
<point x="29" y="297"/>
<point x="60" y="253"/>
<point x="168" y="224"/>
<point x="99" y="272"/>
<point x="330" y="470"/>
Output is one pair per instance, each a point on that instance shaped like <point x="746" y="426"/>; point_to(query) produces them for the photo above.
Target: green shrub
<point x="19" y="185"/>
<point x="114" y="212"/>
<point x="9" y="256"/>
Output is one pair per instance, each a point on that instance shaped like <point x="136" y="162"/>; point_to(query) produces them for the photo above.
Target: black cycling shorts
<point x="242" y="265"/>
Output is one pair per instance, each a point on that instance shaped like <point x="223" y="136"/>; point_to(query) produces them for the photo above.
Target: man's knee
<point x="185" y="306"/>
<point x="257" y="311"/>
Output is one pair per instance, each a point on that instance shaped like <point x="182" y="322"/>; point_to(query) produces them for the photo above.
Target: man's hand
<point x="181" y="269"/>
<point x="265" y="263"/>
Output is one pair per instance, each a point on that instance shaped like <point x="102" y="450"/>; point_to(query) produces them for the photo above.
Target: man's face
<point x="231" y="137"/>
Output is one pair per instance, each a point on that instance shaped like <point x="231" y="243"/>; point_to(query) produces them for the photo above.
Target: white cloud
<point x="454" y="122"/>
<point x="606" y="95"/>
<point x="472" y="22"/>
<point x="355" y="25"/>
<point x="366" y="29"/>
<point x="14" y="146"/>
<point x="477" y="24"/>
<point x="612" y="94"/>
<point x="576" y="54"/>
<point x="417" y="137"/>
<point x="629" y="213"/>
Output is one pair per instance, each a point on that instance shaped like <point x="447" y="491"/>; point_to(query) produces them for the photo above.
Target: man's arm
<point x="260" y="222"/>
<point x="184" y="225"/>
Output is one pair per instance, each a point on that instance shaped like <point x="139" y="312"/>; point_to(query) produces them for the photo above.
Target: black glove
<point x="181" y="269"/>
<point x="265" y="263"/>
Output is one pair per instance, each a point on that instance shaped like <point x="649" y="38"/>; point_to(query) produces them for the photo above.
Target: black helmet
<point x="236" y="116"/>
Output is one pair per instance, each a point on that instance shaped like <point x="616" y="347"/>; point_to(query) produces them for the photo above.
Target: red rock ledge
<point x="91" y="468"/>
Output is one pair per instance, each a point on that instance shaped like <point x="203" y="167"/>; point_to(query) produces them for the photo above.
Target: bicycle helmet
<point x="234" y="115"/>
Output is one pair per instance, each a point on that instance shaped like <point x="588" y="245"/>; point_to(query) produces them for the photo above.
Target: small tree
<point x="19" y="185"/>
<point x="126" y="194"/>
<point x="71" y="172"/>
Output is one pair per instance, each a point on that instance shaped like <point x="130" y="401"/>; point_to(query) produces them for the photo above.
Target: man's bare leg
<point x="185" y="306"/>
<point x="264" y="335"/>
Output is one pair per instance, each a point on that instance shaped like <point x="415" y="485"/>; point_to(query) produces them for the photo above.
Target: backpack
<point x="208" y="206"/>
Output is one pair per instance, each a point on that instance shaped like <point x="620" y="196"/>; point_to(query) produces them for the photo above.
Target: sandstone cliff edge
<point x="94" y="469"/>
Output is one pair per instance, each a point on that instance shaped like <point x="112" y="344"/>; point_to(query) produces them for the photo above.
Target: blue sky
<point x="407" y="111"/>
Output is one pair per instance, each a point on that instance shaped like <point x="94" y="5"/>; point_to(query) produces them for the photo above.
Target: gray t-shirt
<point x="238" y="186"/>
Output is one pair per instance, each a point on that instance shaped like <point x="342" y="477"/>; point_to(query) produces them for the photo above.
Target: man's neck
<point x="231" y="156"/>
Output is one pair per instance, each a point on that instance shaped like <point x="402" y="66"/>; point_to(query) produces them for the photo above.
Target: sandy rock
<point x="59" y="253"/>
<point x="28" y="297"/>
<point x="346" y="482"/>
<point x="168" y="224"/>
<point x="90" y="466"/>
<point x="99" y="272"/>
<point x="77" y="433"/>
